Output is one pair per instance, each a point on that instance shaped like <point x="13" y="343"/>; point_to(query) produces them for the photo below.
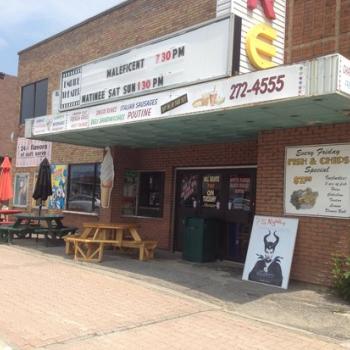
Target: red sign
<point x="267" y="6"/>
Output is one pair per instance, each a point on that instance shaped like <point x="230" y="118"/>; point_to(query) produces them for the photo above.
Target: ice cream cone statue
<point x="107" y="178"/>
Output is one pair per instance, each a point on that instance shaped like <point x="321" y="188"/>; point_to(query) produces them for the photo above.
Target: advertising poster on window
<point x="239" y="193"/>
<point x="131" y="179"/>
<point x="211" y="191"/>
<point x="270" y="251"/>
<point x="20" y="197"/>
<point x="189" y="190"/>
<point x="317" y="180"/>
<point x="59" y="183"/>
<point x="31" y="152"/>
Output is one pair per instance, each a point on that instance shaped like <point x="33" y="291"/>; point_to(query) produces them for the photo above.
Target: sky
<point x="26" y="22"/>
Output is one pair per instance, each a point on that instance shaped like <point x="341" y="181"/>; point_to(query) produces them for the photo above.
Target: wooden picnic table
<point x="89" y="246"/>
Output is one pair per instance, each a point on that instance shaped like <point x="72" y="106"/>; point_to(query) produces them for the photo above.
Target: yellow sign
<point x="259" y="47"/>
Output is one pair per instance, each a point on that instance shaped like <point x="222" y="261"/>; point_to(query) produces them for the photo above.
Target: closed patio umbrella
<point x="43" y="188"/>
<point x="6" y="192"/>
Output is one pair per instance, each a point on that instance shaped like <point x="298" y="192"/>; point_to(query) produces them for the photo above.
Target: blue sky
<point x="25" y="22"/>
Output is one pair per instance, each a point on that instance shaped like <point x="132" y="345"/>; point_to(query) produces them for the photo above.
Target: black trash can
<point x="200" y="239"/>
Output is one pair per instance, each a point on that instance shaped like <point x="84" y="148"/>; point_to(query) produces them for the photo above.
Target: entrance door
<point x="227" y="195"/>
<point x="239" y="211"/>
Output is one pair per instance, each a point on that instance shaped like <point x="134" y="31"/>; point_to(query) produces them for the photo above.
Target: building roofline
<point x="8" y="75"/>
<point x="69" y="29"/>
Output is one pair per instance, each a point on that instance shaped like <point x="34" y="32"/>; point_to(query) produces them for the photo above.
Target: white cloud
<point x="60" y="13"/>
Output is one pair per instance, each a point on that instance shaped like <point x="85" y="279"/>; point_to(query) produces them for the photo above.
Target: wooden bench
<point x="146" y="248"/>
<point x="89" y="246"/>
<point x="70" y="239"/>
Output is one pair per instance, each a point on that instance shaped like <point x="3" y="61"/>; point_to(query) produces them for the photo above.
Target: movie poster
<point x="270" y="251"/>
<point x="189" y="190"/>
<point x="59" y="185"/>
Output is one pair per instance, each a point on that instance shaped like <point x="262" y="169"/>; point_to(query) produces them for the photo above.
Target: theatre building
<point x="213" y="109"/>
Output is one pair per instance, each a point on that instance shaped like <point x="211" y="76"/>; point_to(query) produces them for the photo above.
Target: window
<point x="143" y="194"/>
<point x="34" y="100"/>
<point x="84" y="187"/>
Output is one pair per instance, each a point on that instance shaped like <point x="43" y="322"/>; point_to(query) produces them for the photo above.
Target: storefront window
<point x="143" y="194"/>
<point x="84" y="187"/>
<point x="129" y="202"/>
<point x="240" y="192"/>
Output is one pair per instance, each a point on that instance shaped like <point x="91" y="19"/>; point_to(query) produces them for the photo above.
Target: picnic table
<point x="89" y="246"/>
<point x="50" y="225"/>
<point x="4" y="215"/>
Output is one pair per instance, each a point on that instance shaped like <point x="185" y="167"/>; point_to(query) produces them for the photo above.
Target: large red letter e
<point x="267" y="6"/>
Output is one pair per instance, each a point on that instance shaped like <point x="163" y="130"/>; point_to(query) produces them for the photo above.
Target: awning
<point x="310" y="93"/>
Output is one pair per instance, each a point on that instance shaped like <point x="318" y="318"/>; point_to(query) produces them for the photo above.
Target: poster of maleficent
<point x="270" y="251"/>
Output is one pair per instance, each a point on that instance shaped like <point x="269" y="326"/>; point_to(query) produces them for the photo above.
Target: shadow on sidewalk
<point x="303" y="306"/>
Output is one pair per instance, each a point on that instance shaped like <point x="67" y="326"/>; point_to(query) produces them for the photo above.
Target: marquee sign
<point x="195" y="55"/>
<point x="267" y="85"/>
<point x="344" y="75"/>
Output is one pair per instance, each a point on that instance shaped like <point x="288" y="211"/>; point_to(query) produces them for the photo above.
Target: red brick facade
<point x="318" y="238"/>
<point x="8" y="115"/>
<point x="314" y="28"/>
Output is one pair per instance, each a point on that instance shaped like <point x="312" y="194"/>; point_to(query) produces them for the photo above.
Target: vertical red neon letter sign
<point x="267" y="6"/>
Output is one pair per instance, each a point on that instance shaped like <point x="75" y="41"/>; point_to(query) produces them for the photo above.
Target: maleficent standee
<point x="268" y="269"/>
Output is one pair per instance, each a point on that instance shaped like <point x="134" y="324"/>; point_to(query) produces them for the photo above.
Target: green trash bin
<point x="200" y="239"/>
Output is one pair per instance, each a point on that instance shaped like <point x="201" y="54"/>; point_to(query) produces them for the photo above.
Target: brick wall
<point x="316" y="28"/>
<point x="317" y="238"/>
<point x="167" y="159"/>
<point x="8" y="116"/>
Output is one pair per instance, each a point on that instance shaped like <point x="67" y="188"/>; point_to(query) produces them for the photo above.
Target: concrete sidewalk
<point x="218" y="288"/>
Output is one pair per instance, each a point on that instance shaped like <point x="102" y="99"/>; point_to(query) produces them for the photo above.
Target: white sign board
<point x="317" y="180"/>
<point x="344" y="75"/>
<point x="31" y="152"/>
<point x="270" y="251"/>
<point x="268" y="85"/>
<point x="196" y="55"/>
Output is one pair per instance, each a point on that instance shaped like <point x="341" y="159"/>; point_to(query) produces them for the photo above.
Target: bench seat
<point x="146" y="248"/>
<point x="69" y="239"/>
<point x="90" y="249"/>
<point x="7" y="231"/>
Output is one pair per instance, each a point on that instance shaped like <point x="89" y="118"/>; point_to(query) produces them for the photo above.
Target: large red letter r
<point x="267" y="6"/>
